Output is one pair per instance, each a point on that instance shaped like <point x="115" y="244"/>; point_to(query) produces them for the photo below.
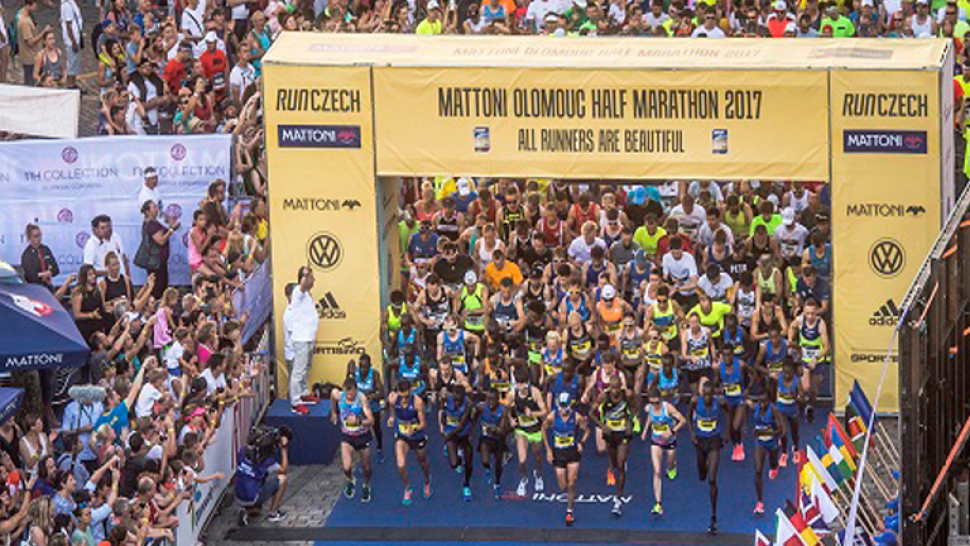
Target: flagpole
<point x="883" y="436"/>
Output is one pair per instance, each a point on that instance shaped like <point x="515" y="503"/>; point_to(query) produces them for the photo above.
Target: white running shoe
<point x="521" y="490"/>
<point x="539" y="484"/>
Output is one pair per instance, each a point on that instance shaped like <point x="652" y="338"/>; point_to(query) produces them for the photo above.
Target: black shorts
<point x="669" y="446"/>
<point x="616" y="439"/>
<point x="416" y="444"/>
<point x="359" y="442"/>
<point x="463" y="441"/>
<point x="563" y="457"/>
<point x="694" y="376"/>
<point x="495" y="445"/>
<point x="707" y="444"/>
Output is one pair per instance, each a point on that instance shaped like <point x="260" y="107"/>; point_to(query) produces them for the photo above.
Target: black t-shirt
<point x="453" y="272"/>
<point x="531" y="257"/>
<point x="151" y="228"/>
<point x="736" y="267"/>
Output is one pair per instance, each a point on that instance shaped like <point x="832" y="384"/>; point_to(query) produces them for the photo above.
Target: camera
<point x="264" y="440"/>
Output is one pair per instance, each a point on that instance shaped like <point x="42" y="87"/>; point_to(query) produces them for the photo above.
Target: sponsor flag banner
<point x="323" y="208"/>
<point x="798" y="522"/>
<point x="61" y="185"/>
<point x="549" y="123"/>
<point x="885" y="135"/>
<point x="785" y="532"/>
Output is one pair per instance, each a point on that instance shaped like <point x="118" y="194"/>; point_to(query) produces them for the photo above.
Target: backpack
<point x="13" y="34"/>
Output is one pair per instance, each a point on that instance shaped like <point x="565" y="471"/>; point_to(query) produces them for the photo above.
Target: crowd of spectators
<point x="104" y="454"/>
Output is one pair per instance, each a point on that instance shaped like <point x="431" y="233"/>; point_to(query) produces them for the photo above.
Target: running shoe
<point x="466" y="494"/>
<point x="521" y="489"/>
<point x="540" y="485"/>
<point x="243" y="518"/>
<point x="658" y="510"/>
<point x="610" y="477"/>
<point x="783" y="460"/>
<point x="487" y="476"/>
<point x="276" y="516"/>
<point x="637" y="426"/>
<point x="773" y="473"/>
<point x="300" y="409"/>
<point x="460" y="469"/>
<point x="734" y="454"/>
<point x="759" y="508"/>
<point x="712" y="528"/>
<point x="617" y="507"/>
<point x="365" y="494"/>
<point x="427" y="490"/>
<point x="497" y="491"/>
<point x="407" y="497"/>
<point x="672" y="473"/>
<point x="740" y="452"/>
<point x="797" y="457"/>
<point x="309" y="399"/>
<point x="349" y="490"/>
<point x="570" y="519"/>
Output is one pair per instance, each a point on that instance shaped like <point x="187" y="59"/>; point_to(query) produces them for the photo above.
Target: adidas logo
<point x="327" y="308"/>
<point x="886" y="315"/>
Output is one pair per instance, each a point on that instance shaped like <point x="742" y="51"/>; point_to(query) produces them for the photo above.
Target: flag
<point x="760" y="539"/>
<point x="826" y="478"/>
<point x="843" y="450"/>
<point x="857" y="429"/>
<point x="812" y="515"/>
<point x="798" y="522"/>
<point x="829" y="462"/>
<point x="834" y="460"/>
<point x="826" y="506"/>
<point x="807" y="475"/>
<point x="836" y="426"/>
<point x="785" y="534"/>
<point x="860" y="402"/>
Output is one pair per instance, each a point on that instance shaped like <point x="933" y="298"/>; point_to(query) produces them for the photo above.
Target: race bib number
<point x="707" y="425"/>
<point x="616" y="425"/>
<point x="407" y="429"/>
<point x="565" y="441"/>
<point x="732" y="390"/>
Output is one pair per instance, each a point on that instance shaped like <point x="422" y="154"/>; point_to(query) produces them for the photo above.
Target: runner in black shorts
<point x="613" y="414"/>
<point x="705" y="433"/>
<point x="494" y="419"/>
<point x="350" y="409"/>
<point x="565" y="451"/>
<point x="455" y="420"/>
<point x="408" y="422"/>
<point x="769" y="425"/>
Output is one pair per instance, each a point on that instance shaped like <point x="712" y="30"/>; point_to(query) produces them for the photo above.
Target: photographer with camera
<point x="259" y="476"/>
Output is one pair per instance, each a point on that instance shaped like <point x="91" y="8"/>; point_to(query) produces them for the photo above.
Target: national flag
<point x="760" y="539"/>
<point x="829" y="462"/>
<point x="836" y="426"/>
<point x="798" y="522"/>
<point x="860" y="402"/>
<point x="843" y="450"/>
<point x="807" y="475"/>
<point x="826" y="478"/>
<point x="826" y="506"/>
<point x="857" y="429"/>
<point x="785" y="533"/>
<point x="837" y="460"/>
<point x="812" y="515"/>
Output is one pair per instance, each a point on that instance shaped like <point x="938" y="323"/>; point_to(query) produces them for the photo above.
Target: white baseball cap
<point x="470" y="277"/>
<point x="609" y="292"/>
<point x="211" y="37"/>
<point x="788" y="216"/>
<point x="868" y="3"/>
<point x="433" y="4"/>
<point x="464" y="187"/>
<point x="791" y="27"/>
<point x="780" y="5"/>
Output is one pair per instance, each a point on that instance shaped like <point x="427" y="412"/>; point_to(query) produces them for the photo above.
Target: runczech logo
<point x="178" y="152"/>
<point x="69" y="154"/>
<point x="324" y="251"/>
<point x="887" y="257"/>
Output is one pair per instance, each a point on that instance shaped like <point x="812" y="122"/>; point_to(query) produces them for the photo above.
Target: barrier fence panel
<point x="934" y="384"/>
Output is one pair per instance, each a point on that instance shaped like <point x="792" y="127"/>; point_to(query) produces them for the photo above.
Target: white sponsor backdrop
<point x="62" y="184"/>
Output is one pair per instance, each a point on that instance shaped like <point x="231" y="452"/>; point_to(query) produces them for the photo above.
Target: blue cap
<point x="640" y="256"/>
<point x="653" y="194"/>
<point x="637" y="196"/>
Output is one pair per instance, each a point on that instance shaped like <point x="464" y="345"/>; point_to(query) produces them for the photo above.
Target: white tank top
<point x="919" y="30"/>
<point x="799" y="204"/>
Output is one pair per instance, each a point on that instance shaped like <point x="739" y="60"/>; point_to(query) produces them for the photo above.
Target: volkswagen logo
<point x="887" y="257"/>
<point x="324" y="251"/>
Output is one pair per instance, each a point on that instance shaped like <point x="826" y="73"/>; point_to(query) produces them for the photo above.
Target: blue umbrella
<point x="9" y="402"/>
<point x="37" y="331"/>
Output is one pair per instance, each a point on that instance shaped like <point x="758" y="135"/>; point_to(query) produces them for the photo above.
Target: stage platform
<point x="538" y="518"/>
<point x="315" y="438"/>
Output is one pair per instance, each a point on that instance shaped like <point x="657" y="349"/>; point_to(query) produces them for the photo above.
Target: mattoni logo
<point x="35" y="360"/>
<point x="324" y="251"/>
<point x="887" y="314"/>
<point x="320" y="204"/>
<point x="345" y="346"/>
<point x="318" y="136"/>
<point x="179" y="151"/>
<point x="328" y="308"/>
<point x="884" y="142"/>
<point x="69" y="154"/>
<point x="884" y="210"/>
<point x="887" y="257"/>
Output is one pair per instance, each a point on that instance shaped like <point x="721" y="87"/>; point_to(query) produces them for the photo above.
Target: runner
<point x="769" y="425"/>
<point x="494" y="419"/>
<point x="462" y="347"/>
<point x="696" y="349"/>
<point x="613" y="416"/>
<point x="552" y="356"/>
<point x="789" y="396"/>
<point x="565" y="452"/>
<point x="665" y="314"/>
<point x="455" y="420"/>
<point x="409" y="422"/>
<point x="730" y="382"/>
<point x="599" y="382"/>
<point x="631" y="348"/>
<point x="578" y="342"/>
<point x="433" y="305"/>
<point x="567" y="380"/>
<point x="772" y="352"/>
<point x="444" y="378"/>
<point x="470" y="303"/>
<point x="369" y="382"/>
<point x="411" y="369"/>
<point x="528" y="411"/>
<point x="496" y="372"/>
<point x="809" y="331"/>
<point x="610" y="311"/>
<point x="705" y="434"/>
<point x="350" y="409"/>
<point x="667" y="380"/>
<point x="653" y="351"/>
<point x="663" y="422"/>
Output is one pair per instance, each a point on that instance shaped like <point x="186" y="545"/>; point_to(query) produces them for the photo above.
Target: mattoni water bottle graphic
<point x="719" y="141"/>
<point x="483" y="139"/>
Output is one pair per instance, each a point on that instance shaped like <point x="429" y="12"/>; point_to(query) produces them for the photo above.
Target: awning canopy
<point x="9" y="402"/>
<point x="37" y="331"/>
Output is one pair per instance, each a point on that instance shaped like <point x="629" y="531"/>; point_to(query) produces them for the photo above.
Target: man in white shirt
<point x="150" y="393"/>
<point x="241" y="76"/>
<point x="656" y="17"/>
<point x="72" y="25"/>
<point x="708" y="230"/>
<point x="193" y="21"/>
<point x="791" y="235"/>
<point x="538" y="9"/>
<point x="709" y="29"/>
<point x="715" y="283"/>
<point x="680" y="269"/>
<point x="303" y="332"/>
<point x="581" y="248"/>
<point x="214" y="374"/>
<point x="689" y="216"/>
<point x="102" y="241"/>
<point x="149" y="189"/>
